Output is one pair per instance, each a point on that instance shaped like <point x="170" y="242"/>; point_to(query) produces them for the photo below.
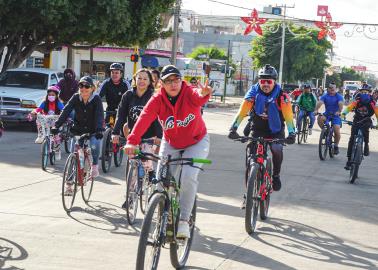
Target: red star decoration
<point x="253" y="22"/>
<point x="327" y="27"/>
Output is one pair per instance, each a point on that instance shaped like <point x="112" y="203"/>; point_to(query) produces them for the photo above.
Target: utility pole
<point x="240" y="78"/>
<point x="175" y="31"/>
<point x="283" y="42"/>
<point x="225" y="71"/>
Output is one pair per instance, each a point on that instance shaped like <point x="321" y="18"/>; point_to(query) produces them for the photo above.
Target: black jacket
<point x="113" y="93"/>
<point x="129" y="110"/>
<point x="89" y="118"/>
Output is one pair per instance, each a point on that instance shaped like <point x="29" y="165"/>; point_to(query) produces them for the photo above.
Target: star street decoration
<point x="327" y="27"/>
<point x="254" y="23"/>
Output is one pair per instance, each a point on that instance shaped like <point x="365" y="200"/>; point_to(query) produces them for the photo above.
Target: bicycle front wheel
<point x="252" y="200"/>
<point x="179" y="249"/>
<point x="356" y="161"/>
<point x="264" y="204"/>
<point x="146" y="191"/>
<point x="131" y="203"/>
<point x="118" y="156"/>
<point x="305" y="130"/>
<point x="107" y="151"/>
<point x="45" y="153"/>
<point x="300" y="131"/>
<point x="69" y="183"/>
<point x="87" y="185"/>
<point x="52" y="153"/>
<point x="323" y="147"/>
<point x="149" y="246"/>
<point x="67" y="144"/>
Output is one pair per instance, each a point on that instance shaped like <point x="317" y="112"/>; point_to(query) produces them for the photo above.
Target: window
<point x="24" y="79"/>
<point x="53" y="79"/>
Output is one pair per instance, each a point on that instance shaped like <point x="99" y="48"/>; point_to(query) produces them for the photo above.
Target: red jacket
<point x="189" y="127"/>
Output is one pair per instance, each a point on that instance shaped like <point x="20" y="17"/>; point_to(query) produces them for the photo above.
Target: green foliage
<point x="211" y="52"/>
<point x="348" y="74"/>
<point x="42" y="25"/>
<point x="305" y="56"/>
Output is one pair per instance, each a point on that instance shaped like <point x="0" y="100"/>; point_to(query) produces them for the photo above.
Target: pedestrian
<point x="68" y="85"/>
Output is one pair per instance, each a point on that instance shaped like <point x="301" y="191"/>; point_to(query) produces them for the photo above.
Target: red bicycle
<point x="77" y="172"/>
<point x="258" y="179"/>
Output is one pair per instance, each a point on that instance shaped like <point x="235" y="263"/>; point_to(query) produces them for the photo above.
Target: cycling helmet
<point x="365" y="86"/>
<point x="53" y="88"/>
<point x="116" y="66"/>
<point x="305" y="86"/>
<point x="268" y="72"/>
<point x="332" y="85"/>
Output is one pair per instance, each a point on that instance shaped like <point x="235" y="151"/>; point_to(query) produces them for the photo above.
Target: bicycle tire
<point x="52" y="154"/>
<point x="178" y="261"/>
<point x="107" y="151"/>
<point x="118" y="156"/>
<point x="131" y="208"/>
<point x="305" y="130"/>
<point x="356" y="161"/>
<point x="331" y="146"/>
<point x="157" y="202"/>
<point x="300" y="131"/>
<point x="264" y="204"/>
<point x="146" y="190"/>
<point x="70" y="171"/>
<point x="44" y="153"/>
<point x="323" y="148"/>
<point x="67" y="145"/>
<point x="88" y="180"/>
<point x="252" y="206"/>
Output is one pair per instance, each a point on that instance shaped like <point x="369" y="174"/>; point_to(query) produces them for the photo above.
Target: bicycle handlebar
<point x="244" y="139"/>
<point x="151" y="156"/>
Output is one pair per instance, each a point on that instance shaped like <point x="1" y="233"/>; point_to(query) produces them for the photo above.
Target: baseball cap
<point x="168" y="71"/>
<point x="87" y="79"/>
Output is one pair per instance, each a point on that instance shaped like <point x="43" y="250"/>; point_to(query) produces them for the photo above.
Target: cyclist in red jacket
<point x="178" y="107"/>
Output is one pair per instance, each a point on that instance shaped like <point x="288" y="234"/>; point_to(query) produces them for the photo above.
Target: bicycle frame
<point x="86" y="151"/>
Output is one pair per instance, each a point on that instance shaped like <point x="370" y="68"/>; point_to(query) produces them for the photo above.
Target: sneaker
<point x="244" y="201"/>
<point x="58" y="155"/>
<point x="69" y="190"/>
<point x="348" y="166"/>
<point x="310" y="131"/>
<point x="183" y="230"/>
<point x="39" y="140"/>
<point x="95" y="172"/>
<point x="366" y="150"/>
<point x="336" y="150"/>
<point x="276" y="183"/>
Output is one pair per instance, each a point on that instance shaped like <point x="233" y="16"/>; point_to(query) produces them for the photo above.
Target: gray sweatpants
<point x="189" y="181"/>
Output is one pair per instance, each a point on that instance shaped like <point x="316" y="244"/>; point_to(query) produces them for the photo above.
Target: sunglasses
<point x="266" y="81"/>
<point x="83" y="85"/>
<point x="174" y="81"/>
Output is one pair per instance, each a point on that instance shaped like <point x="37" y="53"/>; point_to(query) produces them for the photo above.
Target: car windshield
<point x="24" y="79"/>
<point x="351" y="87"/>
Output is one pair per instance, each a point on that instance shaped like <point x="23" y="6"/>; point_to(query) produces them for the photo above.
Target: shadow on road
<point x="10" y="252"/>
<point x="311" y="243"/>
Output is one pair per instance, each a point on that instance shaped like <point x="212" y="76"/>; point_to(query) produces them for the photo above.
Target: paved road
<point x="317" y="220"/>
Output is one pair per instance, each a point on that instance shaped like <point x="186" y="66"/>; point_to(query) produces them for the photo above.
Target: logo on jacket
<point x="180" y="123"/>
<point x="135" y="112"/>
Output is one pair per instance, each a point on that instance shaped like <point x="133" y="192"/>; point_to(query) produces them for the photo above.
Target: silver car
<point x="22" y="90"/>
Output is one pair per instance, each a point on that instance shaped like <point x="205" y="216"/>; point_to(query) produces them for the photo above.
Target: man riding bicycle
<point x="334" y="103"/>
<point x="113" y="88"/>
<point x="269" y="107"/>
<point x="364" y="108"/>
<point x="307" y="103"/>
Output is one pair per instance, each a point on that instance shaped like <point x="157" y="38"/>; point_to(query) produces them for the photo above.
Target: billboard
<point x="359" y="68"/>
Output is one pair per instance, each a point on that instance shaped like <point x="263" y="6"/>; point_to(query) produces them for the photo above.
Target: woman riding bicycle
<point x="89" y="117"/>
<point x="178" y="108"/>
<point x="130" y="108"/>
<point x="364" y="108"/>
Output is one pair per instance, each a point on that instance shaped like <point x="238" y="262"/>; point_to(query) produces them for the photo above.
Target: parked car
<point x="22" y="90"/>
<point x="288" y="88"/>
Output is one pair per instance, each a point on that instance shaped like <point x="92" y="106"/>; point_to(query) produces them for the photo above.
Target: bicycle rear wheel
<point x="107" y="151"/>
<point x="149" y="246"/>
<point x="323" y="147"/>
<point x="180" y="249"/>
<point x="45" y="153"/>
<point x="264" y="204"/>
<point x="69" y="181"/>
<point x="131" y="203"/>
<point x="88" y="181"/>
<point x="252" y="200"/>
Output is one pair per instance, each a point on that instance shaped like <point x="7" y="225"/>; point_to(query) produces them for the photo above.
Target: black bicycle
<point x="357" y="152"/>
<point x="258" y="179"/>
<point x="66" y="135"/>
<point x="162" y="217"/>
<point x="302" y="127"/>
<point x="327" y="138"/>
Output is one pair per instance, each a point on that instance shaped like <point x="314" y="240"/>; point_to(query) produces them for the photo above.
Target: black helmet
<point x="268" y="72"/>
<point x="117" y="66"/>
<point x="365" y="86"/>
<point x="305" y="86"/>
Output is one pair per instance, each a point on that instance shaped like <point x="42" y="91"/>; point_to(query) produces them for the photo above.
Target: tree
<point x="349" y="74"/>
<point x="212" y="52"/>
<point x="305" y="56"/>
<point x="42" y="25"/>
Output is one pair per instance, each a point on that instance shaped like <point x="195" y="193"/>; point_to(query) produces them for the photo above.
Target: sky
<point x="350" y="51"/>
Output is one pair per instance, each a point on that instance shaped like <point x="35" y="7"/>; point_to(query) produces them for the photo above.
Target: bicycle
<point x="302" y="127"/>
<point x="48" y="146"/>
<point x="109" y="149"/>
<point x="138" y="186"/>
<point x="77" y="172"/>
<point x="161" y="221"/>
<point x="357" y="152"/>
<point x="258" y="179"/>
<point x="327" y="138"/>
<point x="66" y="135"/>
<point x="295" y="108"/>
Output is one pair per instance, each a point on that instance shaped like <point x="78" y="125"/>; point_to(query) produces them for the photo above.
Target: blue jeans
<point x="303" y="113"/>
<point x="95" y="149"/>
